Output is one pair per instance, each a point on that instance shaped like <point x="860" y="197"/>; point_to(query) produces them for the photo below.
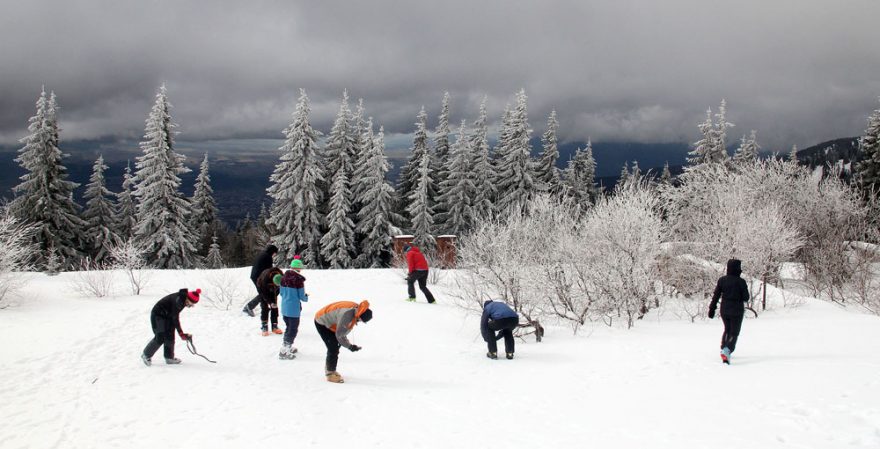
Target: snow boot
<point x="509" y="356"/>
<point x="335" y="377"/>
<point x="287" y="352"/>
<point x="146" y="359"/>
<point x="492" y="355"/>
<point x="265" y="333"/>
<point x="172" y="361"/>
<point x="275" y="330"/>
<point x="265" y="329"/>
<point x="411" y="299"/>
<point x="725" y="356"/>
<point x="247" y="311"/>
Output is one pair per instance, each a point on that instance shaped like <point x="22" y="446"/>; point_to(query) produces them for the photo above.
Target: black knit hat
<point x="367" y="315"/>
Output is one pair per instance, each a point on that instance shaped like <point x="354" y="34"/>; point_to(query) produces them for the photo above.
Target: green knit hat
<point x="296" y="263"/>
<point x="276" y="279"/>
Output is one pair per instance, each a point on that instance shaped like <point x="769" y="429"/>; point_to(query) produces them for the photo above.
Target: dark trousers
<point x="332" y="343"/>
<point x="291" y="328"/>
<point x="422" y="277"/>
<point x="268" y="311"/>
<point x="163" y="334"/>
<point x="252" y="304"/>
<point x="506" y="327"/>
<point x="732" y="326"/>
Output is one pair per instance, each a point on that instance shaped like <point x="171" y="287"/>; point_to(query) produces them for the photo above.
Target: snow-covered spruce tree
<point x="440" y="163"/>
<point x="363" y="129"/>
<point x="295" y="189"/>
<point x="44" y="198"/>
<point x="516" y="184"/>
<point x="419" y="209"/>
<point x="214" y="260"/>
<point x="340" y="146"/>
<point x="711" y="148"/>
<point x="459" y="188"/>
<point x="579" y="178"/>
<point x="623" y="178"/>
<point x="482" y="165"/>
<point x="411" y="172"/>
<point x="100" y="215"/>
<point x="792" y="155"/>
<point x="376" y="218"/>
<point x="337" y="244"/>
<point x="747" y="151"/>
<point x="125" y="207"/>
<point x="868" y="169"/>
<point x="16" y="239"/>
<point x="162" y="211"/>
<point x="203" y="217"/>
<point x="546" y="172"/>
<point x="666" y="175"/>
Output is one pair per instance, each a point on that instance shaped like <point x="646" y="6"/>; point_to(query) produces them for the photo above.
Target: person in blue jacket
<point x="293" y="294"/>
<point x="498" y="317"/>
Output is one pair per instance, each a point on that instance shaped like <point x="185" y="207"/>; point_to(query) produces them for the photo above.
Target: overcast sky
<point x="798" y="71"/>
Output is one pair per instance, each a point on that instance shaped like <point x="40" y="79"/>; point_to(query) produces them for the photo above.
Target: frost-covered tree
<point x="792" y="155"/>
<point x="546" y="172"/>
<point x="162" y="211"/>
<point x="376" y="217"/>
<point x="204" y="210"/>
<point x="748" y="150"/>
<point x="341" y="145"/>
<point x="363" y="129"/>
<point x="295" y="189"/>
<point x="482" y="165"/>
<point x="16" y="239"/>
<point x="214" y="260"/>
<point x="99" y="214"/>
<point x="419" y="209"/>
<point x="458" y="200"/>
<point x="516" y="184"/>
<point x="579" y="178"/>
<point x="711" y="148"/>
<point x="337" y="244"/>
<point x="44" y="198"/>
<point x="411" y="173"/>
<point x="440" y="161"/>
<point x="868" y="169"/>
<point x="623" y="177"/>
<point x="666" y="175"/>
<point x="125" y="206"/>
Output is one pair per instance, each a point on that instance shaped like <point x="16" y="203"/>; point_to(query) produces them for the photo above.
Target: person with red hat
<point x="165" y="319"/>
<point x="334" y="322"/>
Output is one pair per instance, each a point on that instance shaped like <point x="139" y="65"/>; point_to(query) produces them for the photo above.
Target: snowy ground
<point x="805" y="377"/>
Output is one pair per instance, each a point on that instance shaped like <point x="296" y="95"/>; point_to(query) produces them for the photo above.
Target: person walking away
<point x="734" y="294"/>
<point x="165" y="319"/>
<point x="418" y="272"/>
<point x="334" y="322"/>
<point x="261" y="263"/>
<point x="498" y="317"/>
<point x="268" y="285"/>
<point x="293" y="294"/>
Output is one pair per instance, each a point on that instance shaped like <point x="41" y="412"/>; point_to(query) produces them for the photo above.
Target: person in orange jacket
<point x="418" y="271"/>
<point x="334" y="322"/>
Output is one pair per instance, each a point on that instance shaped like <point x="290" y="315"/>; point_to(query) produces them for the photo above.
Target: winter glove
<point x="354" y="348"/>
<point x="186" y="337"/>
<point x="711" y="313"/>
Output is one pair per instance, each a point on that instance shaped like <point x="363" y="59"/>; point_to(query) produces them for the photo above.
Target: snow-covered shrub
<point x="131" y="259"/>
<point x="224" y="287"/>
<point x="17" y="253"/>
<point x="93" y="279"/>
<point x="689" y="282"/>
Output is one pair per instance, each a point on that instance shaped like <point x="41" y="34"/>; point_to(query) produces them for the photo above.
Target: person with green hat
<point x="293" y="294"/>
<point x="268" y="295"/>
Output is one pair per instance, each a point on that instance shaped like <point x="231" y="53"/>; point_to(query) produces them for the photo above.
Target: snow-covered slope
<point x="72" y="378"/>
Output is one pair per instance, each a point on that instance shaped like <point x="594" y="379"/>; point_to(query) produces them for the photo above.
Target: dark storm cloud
<point x="798" y="71"/>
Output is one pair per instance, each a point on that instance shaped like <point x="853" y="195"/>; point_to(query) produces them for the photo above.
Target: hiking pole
<point x="192" y="349"/>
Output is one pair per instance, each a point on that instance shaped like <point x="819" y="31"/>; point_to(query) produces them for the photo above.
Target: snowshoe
<point x="248" y="311"/>
<point x="172" y="361"/>
<point x="492" y="355"/>
<point x="509" y="356"/>
<point x="335" y="377"/>
<point x="146" y="360"/>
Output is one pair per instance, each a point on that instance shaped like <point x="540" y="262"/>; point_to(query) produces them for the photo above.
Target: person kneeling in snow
<point x="293" y="294"/>
<point x="498" y="316"/>
<point x="165" y="319"/>
<point x="334" y="321"/>
<point x="734" y="294"/>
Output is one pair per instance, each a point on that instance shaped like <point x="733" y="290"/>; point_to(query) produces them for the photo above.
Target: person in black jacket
<point x="261" y="263"/>
<point x="165" y="319"/>
<point x="269" y="284"/>
<point x="734" y="294"/>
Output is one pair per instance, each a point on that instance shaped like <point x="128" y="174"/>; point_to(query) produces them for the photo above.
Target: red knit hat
<point x="194" y="296"/>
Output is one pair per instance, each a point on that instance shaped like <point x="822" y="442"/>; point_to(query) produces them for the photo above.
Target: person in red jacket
<point x="418" y="271"/>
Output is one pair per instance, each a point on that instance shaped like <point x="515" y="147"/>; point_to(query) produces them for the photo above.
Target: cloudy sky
<point x="798" y="71"/>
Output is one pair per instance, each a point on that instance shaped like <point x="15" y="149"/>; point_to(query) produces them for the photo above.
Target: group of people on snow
<point x="336" y="320"/>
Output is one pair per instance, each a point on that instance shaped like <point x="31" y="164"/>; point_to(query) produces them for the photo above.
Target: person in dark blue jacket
<point x="498" y="317"/>
<point x="734" y="294"/>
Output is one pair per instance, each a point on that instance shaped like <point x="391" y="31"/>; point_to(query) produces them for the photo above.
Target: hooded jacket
<point x="262" y="262"/>
<point x="268" y="290"/>
<point x="732" y="290"/>
<point x="415" y="260"/>
<point x="293" y="294"/>
<point x="165" y="315"/>
<point x="494" y="310"/>
<point x="341" y="317"/>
